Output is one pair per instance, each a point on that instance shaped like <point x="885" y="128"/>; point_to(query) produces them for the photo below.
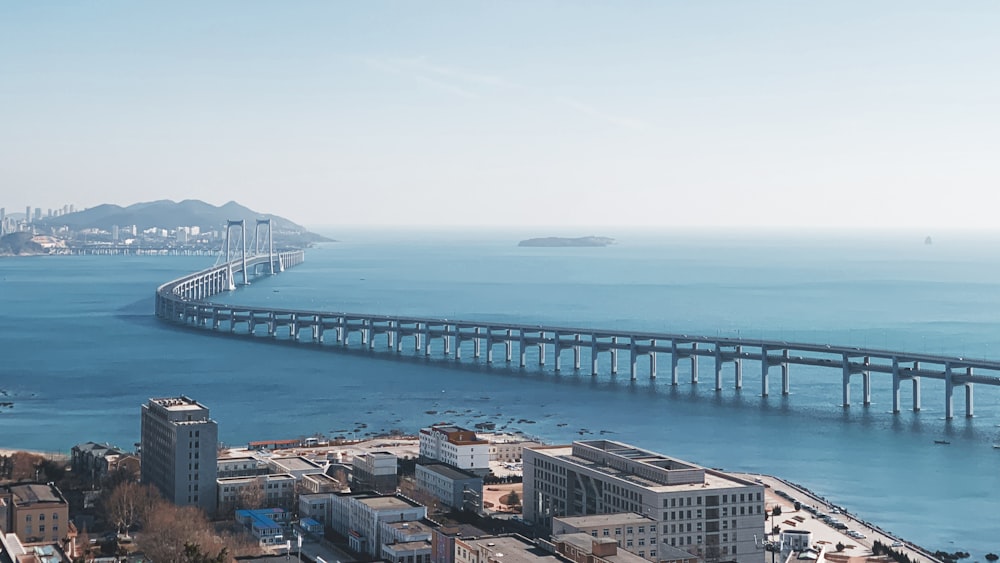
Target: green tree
<point x="840" y="546"/>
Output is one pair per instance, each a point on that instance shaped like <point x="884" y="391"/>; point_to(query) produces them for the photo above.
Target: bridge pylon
<point x="242" y="224"/>
<point x="270" y="243"/>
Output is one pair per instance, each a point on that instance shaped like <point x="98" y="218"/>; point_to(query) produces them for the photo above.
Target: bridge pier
<point x="489" y="345"/>
<point x="785" y="383"/>
<point x="614" y="355"/>
<point x="847" y="381"/>
<point x="557" y="352"/>
<point x="866" y="382"/>
<point x="509" y="345"/>
<point x="633" y="359"/>
<point x="576" y="352"/>
<point x="593" y="355"/>
<point x="447" y="340"/>
<point x="718" y="368"/>
<point x="694" y="363"/>
<point x="522" y="351"/>
<point x="477" y="343"/>
<point x="541" y="349"/>
<point x="673" y="362"/>
<point x="764" y="367"/>
<point x="427" y="339"/>
<point x="949" y="390"/>
<point x="968" y="396"/>
<point x="652" y="360"/>
<point x="739" y="367"/>
<point x="896" y="380"/>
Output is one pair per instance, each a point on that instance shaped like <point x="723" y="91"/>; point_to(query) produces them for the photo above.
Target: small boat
<point x="996" y="446"/>
<point x="941" y="442"/>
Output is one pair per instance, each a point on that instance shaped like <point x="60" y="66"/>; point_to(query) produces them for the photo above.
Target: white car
<point x="897" y="543"/>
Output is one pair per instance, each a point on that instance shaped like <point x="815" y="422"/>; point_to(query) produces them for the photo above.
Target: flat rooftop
<point x="178" y="403"/>
<point x="35" y="493"/>
<point x="514" y="549"/>
<point x="387" y="503"/>
<point x="295" y="463"/>
<point x="585" y="543"/>
<point x="448" y="471"/>
<point x="591" y="520"/>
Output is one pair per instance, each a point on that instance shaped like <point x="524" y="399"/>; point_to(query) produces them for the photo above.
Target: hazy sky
<point x="522" y="113"/>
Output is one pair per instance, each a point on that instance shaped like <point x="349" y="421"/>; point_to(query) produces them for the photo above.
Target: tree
<point x="130" y="504"/>
<point x="513" y="499"/>
<point x="840" y="546"/>
<point x="170" y="529"/>
<point x="776" y="511"/>
<point x="194" y="554"/>
<point x="253" y="495"/>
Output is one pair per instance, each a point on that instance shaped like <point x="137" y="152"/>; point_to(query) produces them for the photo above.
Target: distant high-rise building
<point x="72" y="208"/>
<point x="114" y="233"/>
<point x="27" y="214"/>
<point x="179" y="442"/>
<point x="38" y="214"/>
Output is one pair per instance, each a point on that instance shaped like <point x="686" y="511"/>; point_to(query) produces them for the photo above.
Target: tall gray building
<point x="179" y="442"/>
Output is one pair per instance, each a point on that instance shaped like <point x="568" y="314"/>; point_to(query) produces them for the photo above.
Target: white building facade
<point x="704" y="512"/>
<point x="457" y="447"/>
<point x="179" y="441"/>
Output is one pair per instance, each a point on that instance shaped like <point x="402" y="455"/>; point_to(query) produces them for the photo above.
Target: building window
<point x="606" y="531"/>
<point x="55" y="515"/>
<point x="41" y="528"/>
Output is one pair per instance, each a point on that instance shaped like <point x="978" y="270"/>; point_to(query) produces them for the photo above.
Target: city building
<point x="359" y="517"/>
<point x="455" y="446"/>
<point x="705" y="512"/>
<point x="252" y="492"/>
<point x="406" y="542"/>
<point x="266" y="524"/>
<point x="375" y="471"/>
<point x="455" y="488"/>
<point x="240" y="466"/>
<point x="634" y="532"/>
<point x="296" y="466"/>
<point x="584" y="548"/>
<point x="502" y="549"/>
<point x="443" y="540"/>
<point x="93" y="461"/>
<point x="508" y="447"/>
<point x="34" y="512"/>
<point x="179" y="441"/>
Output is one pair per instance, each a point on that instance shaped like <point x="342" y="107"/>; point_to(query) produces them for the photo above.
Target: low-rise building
<point x="316" y="506"/>
<point x="254" y="492"/>
<point x="365" y="513"/>
<point x="584" y="548"/>
<point x="375" y="471"/>
<point x="320" y="483"/>
<point x="296" y="466"/>
<point x="443" y="540"/>
<point x="635" y="533"/>
<point x="90" y="460"/>
<point x="705" y="512"/>
<point x="455" y="488"/>
<point x="35" y="512"/>
<point x="406" y="542"/>
<point x="502" y="549"/>
<point x="241" y="466"/>
<point x="455" y="446"/>
<point x="266" y="524"/>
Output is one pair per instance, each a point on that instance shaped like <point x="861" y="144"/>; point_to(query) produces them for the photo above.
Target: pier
<point x="581" y="350"/>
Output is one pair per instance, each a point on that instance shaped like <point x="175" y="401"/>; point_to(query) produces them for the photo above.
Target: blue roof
<point x="309" y="522"/>
<point x="261" y="519"/>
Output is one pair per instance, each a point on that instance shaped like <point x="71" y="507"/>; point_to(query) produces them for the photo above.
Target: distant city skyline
<point x="639" y="114"/>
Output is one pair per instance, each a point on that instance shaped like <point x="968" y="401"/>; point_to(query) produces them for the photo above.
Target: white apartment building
<point x="360" y="516"/>
<point x="179" y="442"/>
<point x="275" y="491"/>
<point x="457" y="447"/>
<point x="704" y="512"/>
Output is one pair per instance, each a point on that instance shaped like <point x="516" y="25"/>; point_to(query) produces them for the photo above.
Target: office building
<point x="705" y="512"/>
<point x="375" y="471"/>
<point x="457" y="447"/>
<point x="35" y="512"/>
<point x="179" y="442"/>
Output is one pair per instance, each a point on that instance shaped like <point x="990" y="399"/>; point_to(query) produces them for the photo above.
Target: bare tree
<point x="170" y="529"/>
<point x="253" y="495"/>
<point x="130" y="504"/>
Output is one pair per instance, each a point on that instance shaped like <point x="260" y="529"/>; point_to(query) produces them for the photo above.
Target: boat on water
<point x="941" y="442"/>
<point x="996" y="446"/>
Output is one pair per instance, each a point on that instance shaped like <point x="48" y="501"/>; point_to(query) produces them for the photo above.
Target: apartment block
<point x="375" y="471"/>
<point x="179" y="441"/>
<point x="34" y="512"/>
<point x="457" y="447"/>
<point x="707" y="513"/>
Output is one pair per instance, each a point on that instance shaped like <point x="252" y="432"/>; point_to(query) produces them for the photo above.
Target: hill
<point x="166" y="214"/>
<point x="565" y="241"/>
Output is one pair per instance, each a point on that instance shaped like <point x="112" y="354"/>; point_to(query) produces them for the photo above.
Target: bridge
<point x="186" y="300"/>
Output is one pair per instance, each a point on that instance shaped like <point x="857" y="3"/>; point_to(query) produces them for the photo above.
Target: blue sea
<point x="80" y="351"/>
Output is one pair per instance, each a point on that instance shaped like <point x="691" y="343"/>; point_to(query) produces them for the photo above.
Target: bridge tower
<point x="242" y="224"/>
<point x="270" y="242"/>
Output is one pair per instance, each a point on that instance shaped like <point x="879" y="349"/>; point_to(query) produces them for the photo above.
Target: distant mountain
<point x="166" y="214"/>
<point x="565" y="241"/>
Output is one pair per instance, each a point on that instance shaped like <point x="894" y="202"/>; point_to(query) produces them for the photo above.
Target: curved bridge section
<point x="186" y="300"/>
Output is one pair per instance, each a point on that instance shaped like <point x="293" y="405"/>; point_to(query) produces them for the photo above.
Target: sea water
<point x="80" y="351"/>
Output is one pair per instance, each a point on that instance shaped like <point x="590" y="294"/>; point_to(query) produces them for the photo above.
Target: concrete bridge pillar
<point x="718" y="367"/>
<point x="652" y="360"/>
<point x="232" y="321"/>
<point x="489" y="345"/>
<point x="541" y="349"/>
<point x="764" y="367"/>
<point x="458" y="343"/>
<point x="251" y="322"/>
<point x="399" y="337"/>
<point x="317" y="328"/>
<point x="427" y="339"/>
<point x="949" y="391"/>
<point x="576" y="352"/>
<point x="614" y="355"/>
<point x="447" y="339"/>
<point x="633" y="359"/>
<point x="593" y="355"/>
<point x="509" y="345"/>
<point x="522" y="351"/>
<point x="738" y="368"/>
<point x="272" y="327"/>
<point x="846" y="363"/>
<point x="477" y="344"/>
<point x="417" y="328"/>
<point x="969" y="409"/>
<point x="785" y="383"/>
<point x="557" y="352"/>
<point x="866" y="382"/>
<point x="694" y="363"/>
<point x="916" y="387"/>
<point x="673" y="362"/>
<point x="896" y="379"/>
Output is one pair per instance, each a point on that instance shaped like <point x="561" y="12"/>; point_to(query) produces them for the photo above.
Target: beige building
<point x="705" y="512"/>
<point x="501" y="549"/>
<point x="633" y="532"/>
<point x="457" y="447"/>
<point x="35" y="512"/>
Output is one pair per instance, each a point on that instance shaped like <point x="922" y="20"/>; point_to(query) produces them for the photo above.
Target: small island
<point x="566" y="241"/>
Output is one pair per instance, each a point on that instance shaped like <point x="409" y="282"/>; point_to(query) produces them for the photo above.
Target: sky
<point x="848" y="114"/>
